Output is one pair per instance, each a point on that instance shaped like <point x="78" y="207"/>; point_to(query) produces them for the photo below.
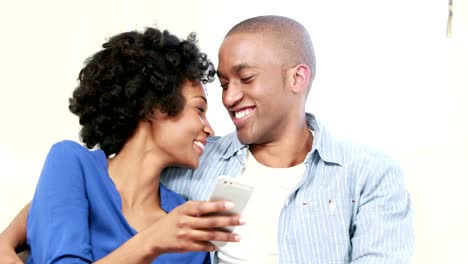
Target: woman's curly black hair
<point x="134" y="74"/>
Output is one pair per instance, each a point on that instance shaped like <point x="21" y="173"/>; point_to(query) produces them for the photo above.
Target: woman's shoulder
<point x="71" y="147"/>
<point x="69" y="163"/>
<point x="69" y="150"/>
<point x="68" y="145"/>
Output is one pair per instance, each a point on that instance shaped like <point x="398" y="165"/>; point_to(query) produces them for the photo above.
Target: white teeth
<point x="198" y="143"/>
<point x="242" y="113"/>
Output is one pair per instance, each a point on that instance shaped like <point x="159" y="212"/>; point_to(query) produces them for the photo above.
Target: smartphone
<point x="228" y="189"/>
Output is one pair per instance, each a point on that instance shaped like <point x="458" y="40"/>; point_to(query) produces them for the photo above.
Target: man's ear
<point x="300" y="78"/>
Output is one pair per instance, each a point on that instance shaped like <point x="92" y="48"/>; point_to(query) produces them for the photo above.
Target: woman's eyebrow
<point x="200" y="96"/>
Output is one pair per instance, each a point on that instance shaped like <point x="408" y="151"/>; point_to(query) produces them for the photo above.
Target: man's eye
<point x="224" y="85"/>
<point x="201" y="109"/>
<point x="248" y="78"/>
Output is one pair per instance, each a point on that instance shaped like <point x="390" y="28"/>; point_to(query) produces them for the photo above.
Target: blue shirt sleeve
<point x="57" y="226"/>
<point x="382" y="230"/>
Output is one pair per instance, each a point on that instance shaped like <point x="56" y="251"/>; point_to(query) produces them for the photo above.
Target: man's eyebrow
<point x="236" y="68"/>
<point x="239" y="67"/>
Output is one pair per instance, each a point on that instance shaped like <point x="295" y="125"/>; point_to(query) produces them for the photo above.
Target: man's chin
<point x="244" y="137"/>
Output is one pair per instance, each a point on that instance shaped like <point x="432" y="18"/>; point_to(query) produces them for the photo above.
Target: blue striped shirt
<point x="350" y="207"/>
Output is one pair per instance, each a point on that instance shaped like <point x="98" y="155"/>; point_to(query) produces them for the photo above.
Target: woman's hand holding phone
<point x="190" y="227"/>
<point x="229" y="189"/>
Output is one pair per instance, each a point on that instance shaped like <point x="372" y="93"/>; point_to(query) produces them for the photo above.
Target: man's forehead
<point x="242" y="50"/>
<point x="241" y="40"/>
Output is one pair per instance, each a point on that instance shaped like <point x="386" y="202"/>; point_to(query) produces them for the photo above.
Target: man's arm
<point x="13" y="238"/>
<point x="383" y="230"/>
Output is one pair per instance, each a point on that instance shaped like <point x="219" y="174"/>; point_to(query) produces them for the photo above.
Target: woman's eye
<point x="224" y="86"/>
<point x="201" y="109"/>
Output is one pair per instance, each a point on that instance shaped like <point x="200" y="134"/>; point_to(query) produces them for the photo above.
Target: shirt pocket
<point x="323" y="223"/>
<point x="324" y="206"/>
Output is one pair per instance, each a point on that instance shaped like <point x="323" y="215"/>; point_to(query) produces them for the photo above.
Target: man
<point x="316" y="199"/>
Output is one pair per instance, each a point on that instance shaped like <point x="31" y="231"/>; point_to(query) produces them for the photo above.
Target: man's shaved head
<point x="289" y="36"/>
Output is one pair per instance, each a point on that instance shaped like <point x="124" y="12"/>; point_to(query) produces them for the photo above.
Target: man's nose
<point x="232" y="94"/>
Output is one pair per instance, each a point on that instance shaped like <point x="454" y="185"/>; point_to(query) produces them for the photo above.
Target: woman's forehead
<point x="193" y="89"/>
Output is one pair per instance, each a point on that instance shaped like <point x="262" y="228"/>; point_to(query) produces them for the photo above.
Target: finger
<point x="207" y="222"/>
<point x="208" y="235"/>
<point x="198" y="246"/>
<point x="197" y="208"/>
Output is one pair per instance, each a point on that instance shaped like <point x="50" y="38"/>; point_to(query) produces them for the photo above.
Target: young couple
<point x="141" y="102"/>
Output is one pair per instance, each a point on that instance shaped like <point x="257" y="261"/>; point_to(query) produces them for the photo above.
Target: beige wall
<point x="386" y="76"/>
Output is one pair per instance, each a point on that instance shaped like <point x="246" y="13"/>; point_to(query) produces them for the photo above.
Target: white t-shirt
<point x="259" y="236"/>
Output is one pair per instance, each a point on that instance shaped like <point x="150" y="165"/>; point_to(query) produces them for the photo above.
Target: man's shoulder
<point x="214" y="150"/>
<point x="352" y="152"/>
<point x="336" y="148"/>
<point x="361" y="163"/>
<point x="217" y="146"/>
<point x="216" y="140"/>
<point x="367" y="161"/>
<point x="356" y="151"/>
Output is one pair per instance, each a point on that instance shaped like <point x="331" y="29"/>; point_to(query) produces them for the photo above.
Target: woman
<point x="141" y="104"/>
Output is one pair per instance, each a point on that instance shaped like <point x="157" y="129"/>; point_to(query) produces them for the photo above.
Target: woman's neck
<point x="136" y="171"/>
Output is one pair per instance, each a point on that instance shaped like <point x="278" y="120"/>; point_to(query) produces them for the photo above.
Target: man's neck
<point x="284" y="153"/>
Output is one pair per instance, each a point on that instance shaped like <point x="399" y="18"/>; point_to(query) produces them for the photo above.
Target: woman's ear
<point x="156" y="114"/>
<point x="301" y="78"/>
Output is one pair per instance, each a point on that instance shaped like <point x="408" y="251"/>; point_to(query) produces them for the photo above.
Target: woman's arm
<point x="184" y="229"/>
<point x="7" y="252"/>
<point x="13" y="238"/>
<point x="15" y="233"/>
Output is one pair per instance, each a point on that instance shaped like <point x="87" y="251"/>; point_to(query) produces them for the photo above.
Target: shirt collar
<point x="235" y="148"/>
<point x="169" y="200"/>
<point x="324" y="143"/>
